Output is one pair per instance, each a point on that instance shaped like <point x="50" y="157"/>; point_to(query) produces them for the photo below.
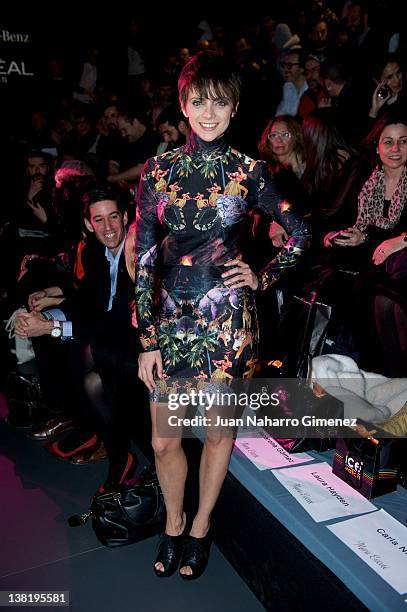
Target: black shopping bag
<point x="368" y="464"/>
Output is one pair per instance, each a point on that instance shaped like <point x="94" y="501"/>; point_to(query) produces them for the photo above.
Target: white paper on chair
<point x="266" y="453"/>
<point x="322" y="494"/>
<point x="381" y="542"/>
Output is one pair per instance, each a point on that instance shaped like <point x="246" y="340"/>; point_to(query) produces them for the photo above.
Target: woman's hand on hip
<point x="240" y="275"/>
<point x="148" y="365"/>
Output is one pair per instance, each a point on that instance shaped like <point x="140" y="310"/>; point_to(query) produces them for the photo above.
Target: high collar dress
<point x="192" y="205"/>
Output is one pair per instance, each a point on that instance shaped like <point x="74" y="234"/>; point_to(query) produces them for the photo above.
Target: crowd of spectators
<point x="322" y="104"/>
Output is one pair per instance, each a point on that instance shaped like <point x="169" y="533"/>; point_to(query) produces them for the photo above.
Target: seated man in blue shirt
<point x="98" y="315"/>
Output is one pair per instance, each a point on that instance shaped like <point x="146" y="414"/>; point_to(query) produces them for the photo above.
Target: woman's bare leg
<point x="171" y="467"/>
<point x="212" y="471"/>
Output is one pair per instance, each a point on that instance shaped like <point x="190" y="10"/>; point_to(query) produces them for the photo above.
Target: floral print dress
<point x="192" y="205"/>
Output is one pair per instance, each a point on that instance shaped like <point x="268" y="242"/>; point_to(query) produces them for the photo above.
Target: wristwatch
<point x="56" y="331"/>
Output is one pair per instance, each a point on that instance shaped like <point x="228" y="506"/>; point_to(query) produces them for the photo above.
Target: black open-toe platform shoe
<point x="169" y="554"/>
<point x="195" y="553"/>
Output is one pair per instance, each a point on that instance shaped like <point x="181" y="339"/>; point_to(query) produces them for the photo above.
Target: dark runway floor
<point x="40" y="552"/>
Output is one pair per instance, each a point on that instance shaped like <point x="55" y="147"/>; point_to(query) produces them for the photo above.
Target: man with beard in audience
<point x="173" y="128"/>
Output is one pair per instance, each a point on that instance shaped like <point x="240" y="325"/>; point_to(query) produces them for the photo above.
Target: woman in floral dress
<point x="195" y="295"/>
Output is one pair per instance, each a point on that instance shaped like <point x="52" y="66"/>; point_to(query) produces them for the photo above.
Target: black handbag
<point x="126" y="516"/>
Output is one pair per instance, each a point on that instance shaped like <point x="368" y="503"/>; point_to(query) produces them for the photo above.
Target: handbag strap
<point x="303" y="363"/>
<point x="158" y="494"/>
<point x="77" y="520"/>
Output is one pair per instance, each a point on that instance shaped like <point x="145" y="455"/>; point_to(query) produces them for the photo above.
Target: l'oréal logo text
<point x="7" y="68"/>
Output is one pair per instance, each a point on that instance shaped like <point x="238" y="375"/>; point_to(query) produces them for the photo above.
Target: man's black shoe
<point x="50" y="430"/>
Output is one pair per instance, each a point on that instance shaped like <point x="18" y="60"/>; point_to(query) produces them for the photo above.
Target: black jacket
<point x="87" y="304"/>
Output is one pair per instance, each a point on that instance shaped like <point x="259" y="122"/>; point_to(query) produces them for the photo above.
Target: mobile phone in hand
<point x="383" y="92"/>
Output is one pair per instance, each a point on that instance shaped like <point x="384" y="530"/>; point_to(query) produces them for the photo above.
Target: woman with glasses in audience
<point x="282" y="146"/>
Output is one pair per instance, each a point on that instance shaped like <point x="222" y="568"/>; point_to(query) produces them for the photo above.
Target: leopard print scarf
<point x="371" y="201"/>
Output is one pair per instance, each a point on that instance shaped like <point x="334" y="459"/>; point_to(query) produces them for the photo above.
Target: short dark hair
<point x="38" y="153"/>
<point x="390" y="117"/>
<point x="311" y="57"/>
<point x="296" y="50"/>
<point x="101" y="193"/>
<point x="210" y="75"/>
<point x="388" y="58"/>
<point x="162" y="79"/>
<point x="105" y="104"/>
<point x="363" y="4"/>
<point x="129" y="112"/>
<point x="171" y="115"/>
<point x="336" y="69"/>
<point x="78" y="113"/>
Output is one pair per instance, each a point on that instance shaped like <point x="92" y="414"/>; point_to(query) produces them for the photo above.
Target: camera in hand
<point x="383" y="92"/>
